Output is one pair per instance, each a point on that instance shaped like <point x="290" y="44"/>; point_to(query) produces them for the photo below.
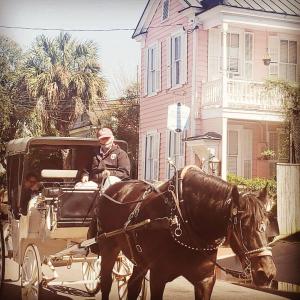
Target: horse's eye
<point x="262" y="227"/>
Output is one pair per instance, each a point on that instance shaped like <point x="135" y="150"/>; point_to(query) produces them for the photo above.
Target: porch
<point x="240" y="94"/>
<point x="246" y="148"/>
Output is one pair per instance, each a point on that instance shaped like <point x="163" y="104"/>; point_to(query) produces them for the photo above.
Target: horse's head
<point x="247" y="234"/>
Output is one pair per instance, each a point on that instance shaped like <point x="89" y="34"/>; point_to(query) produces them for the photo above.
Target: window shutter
<point x="146" y="72"/>
<point x="273" y="50"/>
<point x="156" y="151"/>
<point x="167" y="153"/>
<point x="214" y="53"/>
<point x="248" y="55"/>
<point x="184" y="47"/>
<point x="158" y="66"/>
<point x="142" y="157"/>
<point x="169" y="57"/>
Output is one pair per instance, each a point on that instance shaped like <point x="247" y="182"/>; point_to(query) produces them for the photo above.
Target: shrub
<point x="253" y="184"/>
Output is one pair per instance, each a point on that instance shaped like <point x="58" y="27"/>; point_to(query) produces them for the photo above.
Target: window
<point x="176" y="60"/>
<point x="175" y="151"/>
<point x="288" y="60"/>
<point x="233" y="43"/>
<point x="248" y="55"/>
<point x="152" y="56"/>
<point x="165" y="9"/>
<point x="232" y="158"/>
<point x="233" y="53"/>
<point x="279" y="143"/>
<point x="283" y="53"/>
<point x="151" y="156"/>
<point x="152" y="71"/>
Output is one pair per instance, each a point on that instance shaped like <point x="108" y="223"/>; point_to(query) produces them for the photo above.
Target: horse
<point x="206" y="211"/>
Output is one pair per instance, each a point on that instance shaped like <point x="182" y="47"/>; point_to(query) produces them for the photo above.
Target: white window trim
<point x="246" y="61"/>
<point x="241" y="62"/>
<point x="154" y="133"/>
<point x="289" y="64"/>
<point x="289" y="37"/>
<point x="173" y="75"/>
<point x="162" y="11"/>
<point x="167" y="169"/>
<point x="175" y="34"/>
<point x="238" y="128"/>
<point x="152" y="46"/>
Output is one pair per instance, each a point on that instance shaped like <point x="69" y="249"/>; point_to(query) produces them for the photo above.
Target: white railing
<point x="241" y="94"/>
<point x="212" y="93"/>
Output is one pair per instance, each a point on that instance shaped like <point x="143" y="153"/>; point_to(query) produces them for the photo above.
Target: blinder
<point x="236" y="224"/>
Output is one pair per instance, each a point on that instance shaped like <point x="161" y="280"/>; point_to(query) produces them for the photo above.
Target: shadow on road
<point x="13" y="292"/>
<point x="67" y="290"/>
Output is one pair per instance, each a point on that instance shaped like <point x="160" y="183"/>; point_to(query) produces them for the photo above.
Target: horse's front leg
<point x="204" y="288"/>
<point x="135" y="282"/>
<point x="157" y="284"/>
<point x="108" y="258"/>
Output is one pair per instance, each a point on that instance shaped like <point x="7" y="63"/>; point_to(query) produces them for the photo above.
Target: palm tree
<point x="63" y="79"/>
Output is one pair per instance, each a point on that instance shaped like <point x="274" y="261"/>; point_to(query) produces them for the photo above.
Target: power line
<point x="82" y="30"/>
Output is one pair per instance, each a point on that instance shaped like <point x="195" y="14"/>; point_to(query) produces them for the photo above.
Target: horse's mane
<point x="219" y="189"/>
<point x="208" y="184"/>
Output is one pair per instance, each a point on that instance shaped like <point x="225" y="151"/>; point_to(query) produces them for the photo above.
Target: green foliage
<point x="44" y="90"/>
<point x="63" y="79"/>
<point x="291" y="106"/>
<point x="253" y="184"/>
<point x="123" y="119"/>
<point x="268" y="154"/>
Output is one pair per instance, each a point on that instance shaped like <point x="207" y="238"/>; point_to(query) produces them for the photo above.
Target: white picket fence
<point x="288" y="198"/>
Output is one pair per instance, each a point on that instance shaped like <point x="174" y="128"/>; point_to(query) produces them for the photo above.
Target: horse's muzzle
<point x="263" y="270"/>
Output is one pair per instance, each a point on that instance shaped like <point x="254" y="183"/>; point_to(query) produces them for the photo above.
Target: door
<point x="246" y="145"/>
<point x="239" y="153"/>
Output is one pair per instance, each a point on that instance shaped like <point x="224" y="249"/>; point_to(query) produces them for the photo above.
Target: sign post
<point x="178" y="117"/>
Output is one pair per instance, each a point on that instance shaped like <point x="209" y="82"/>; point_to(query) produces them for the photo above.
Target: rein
<point x="178" y="218"/>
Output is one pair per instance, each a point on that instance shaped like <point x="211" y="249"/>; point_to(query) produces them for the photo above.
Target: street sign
<point x="178" y="117"/>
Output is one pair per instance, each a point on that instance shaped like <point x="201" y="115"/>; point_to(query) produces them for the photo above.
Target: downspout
<point x="194" y="80"/>
<point x="194" y="86"/>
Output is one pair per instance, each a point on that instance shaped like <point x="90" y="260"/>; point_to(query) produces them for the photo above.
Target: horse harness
<point x="179" y="223"/>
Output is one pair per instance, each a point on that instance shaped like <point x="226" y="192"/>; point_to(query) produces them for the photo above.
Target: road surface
<point x="179" y="289"/>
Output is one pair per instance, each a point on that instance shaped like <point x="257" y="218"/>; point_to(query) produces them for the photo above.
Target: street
<point x="179" y="289"/>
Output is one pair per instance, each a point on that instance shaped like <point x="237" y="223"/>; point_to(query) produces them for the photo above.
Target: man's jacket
<point x="115" y="160"/>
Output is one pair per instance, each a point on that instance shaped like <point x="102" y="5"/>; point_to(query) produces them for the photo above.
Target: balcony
<point x="241" y="94"/>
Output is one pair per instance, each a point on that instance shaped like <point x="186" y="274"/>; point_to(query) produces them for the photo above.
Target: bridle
<point x="234" y="225"/>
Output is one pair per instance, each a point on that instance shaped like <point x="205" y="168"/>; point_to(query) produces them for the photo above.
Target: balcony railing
<point x="241" y="94"/>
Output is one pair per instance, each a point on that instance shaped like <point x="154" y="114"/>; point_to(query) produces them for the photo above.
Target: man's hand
<point x="105" y="173"/>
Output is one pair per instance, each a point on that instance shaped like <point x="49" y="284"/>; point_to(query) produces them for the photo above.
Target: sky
<point x="119" y="54"/>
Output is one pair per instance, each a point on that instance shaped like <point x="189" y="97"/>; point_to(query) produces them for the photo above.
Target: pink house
<point x="208" y="55"/>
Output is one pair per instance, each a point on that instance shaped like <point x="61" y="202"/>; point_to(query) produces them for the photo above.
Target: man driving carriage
<point x="109" y="160"/>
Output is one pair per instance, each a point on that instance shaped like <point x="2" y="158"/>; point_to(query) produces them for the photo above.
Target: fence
<point x="288" y="198"/>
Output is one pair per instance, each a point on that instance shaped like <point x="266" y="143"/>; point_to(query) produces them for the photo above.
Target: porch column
<point x="224" y="148"/>
<point x="224" y="64"/>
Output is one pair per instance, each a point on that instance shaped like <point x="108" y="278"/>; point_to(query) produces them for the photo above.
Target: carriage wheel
<point x="31" y="274"/>
<point x="122" y="271"/>
<point x="2" y="257"/>
<point x="91" y="272"/>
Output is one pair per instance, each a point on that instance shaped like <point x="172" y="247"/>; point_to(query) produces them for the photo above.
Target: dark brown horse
<point x="208" y="210"/>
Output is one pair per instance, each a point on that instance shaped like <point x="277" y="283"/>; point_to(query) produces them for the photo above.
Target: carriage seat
<point x="76" y="207"/>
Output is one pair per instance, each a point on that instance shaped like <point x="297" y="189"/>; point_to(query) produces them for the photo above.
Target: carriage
<point x="51" y="229"/>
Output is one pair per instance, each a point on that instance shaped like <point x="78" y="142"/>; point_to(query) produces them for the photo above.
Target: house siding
<point x="154" y="108"/>
<point x="153" y="113"/>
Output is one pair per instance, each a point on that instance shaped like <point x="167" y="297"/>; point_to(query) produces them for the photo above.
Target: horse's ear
<point x="235" y="195"/>
<point x="263" y="194"/>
